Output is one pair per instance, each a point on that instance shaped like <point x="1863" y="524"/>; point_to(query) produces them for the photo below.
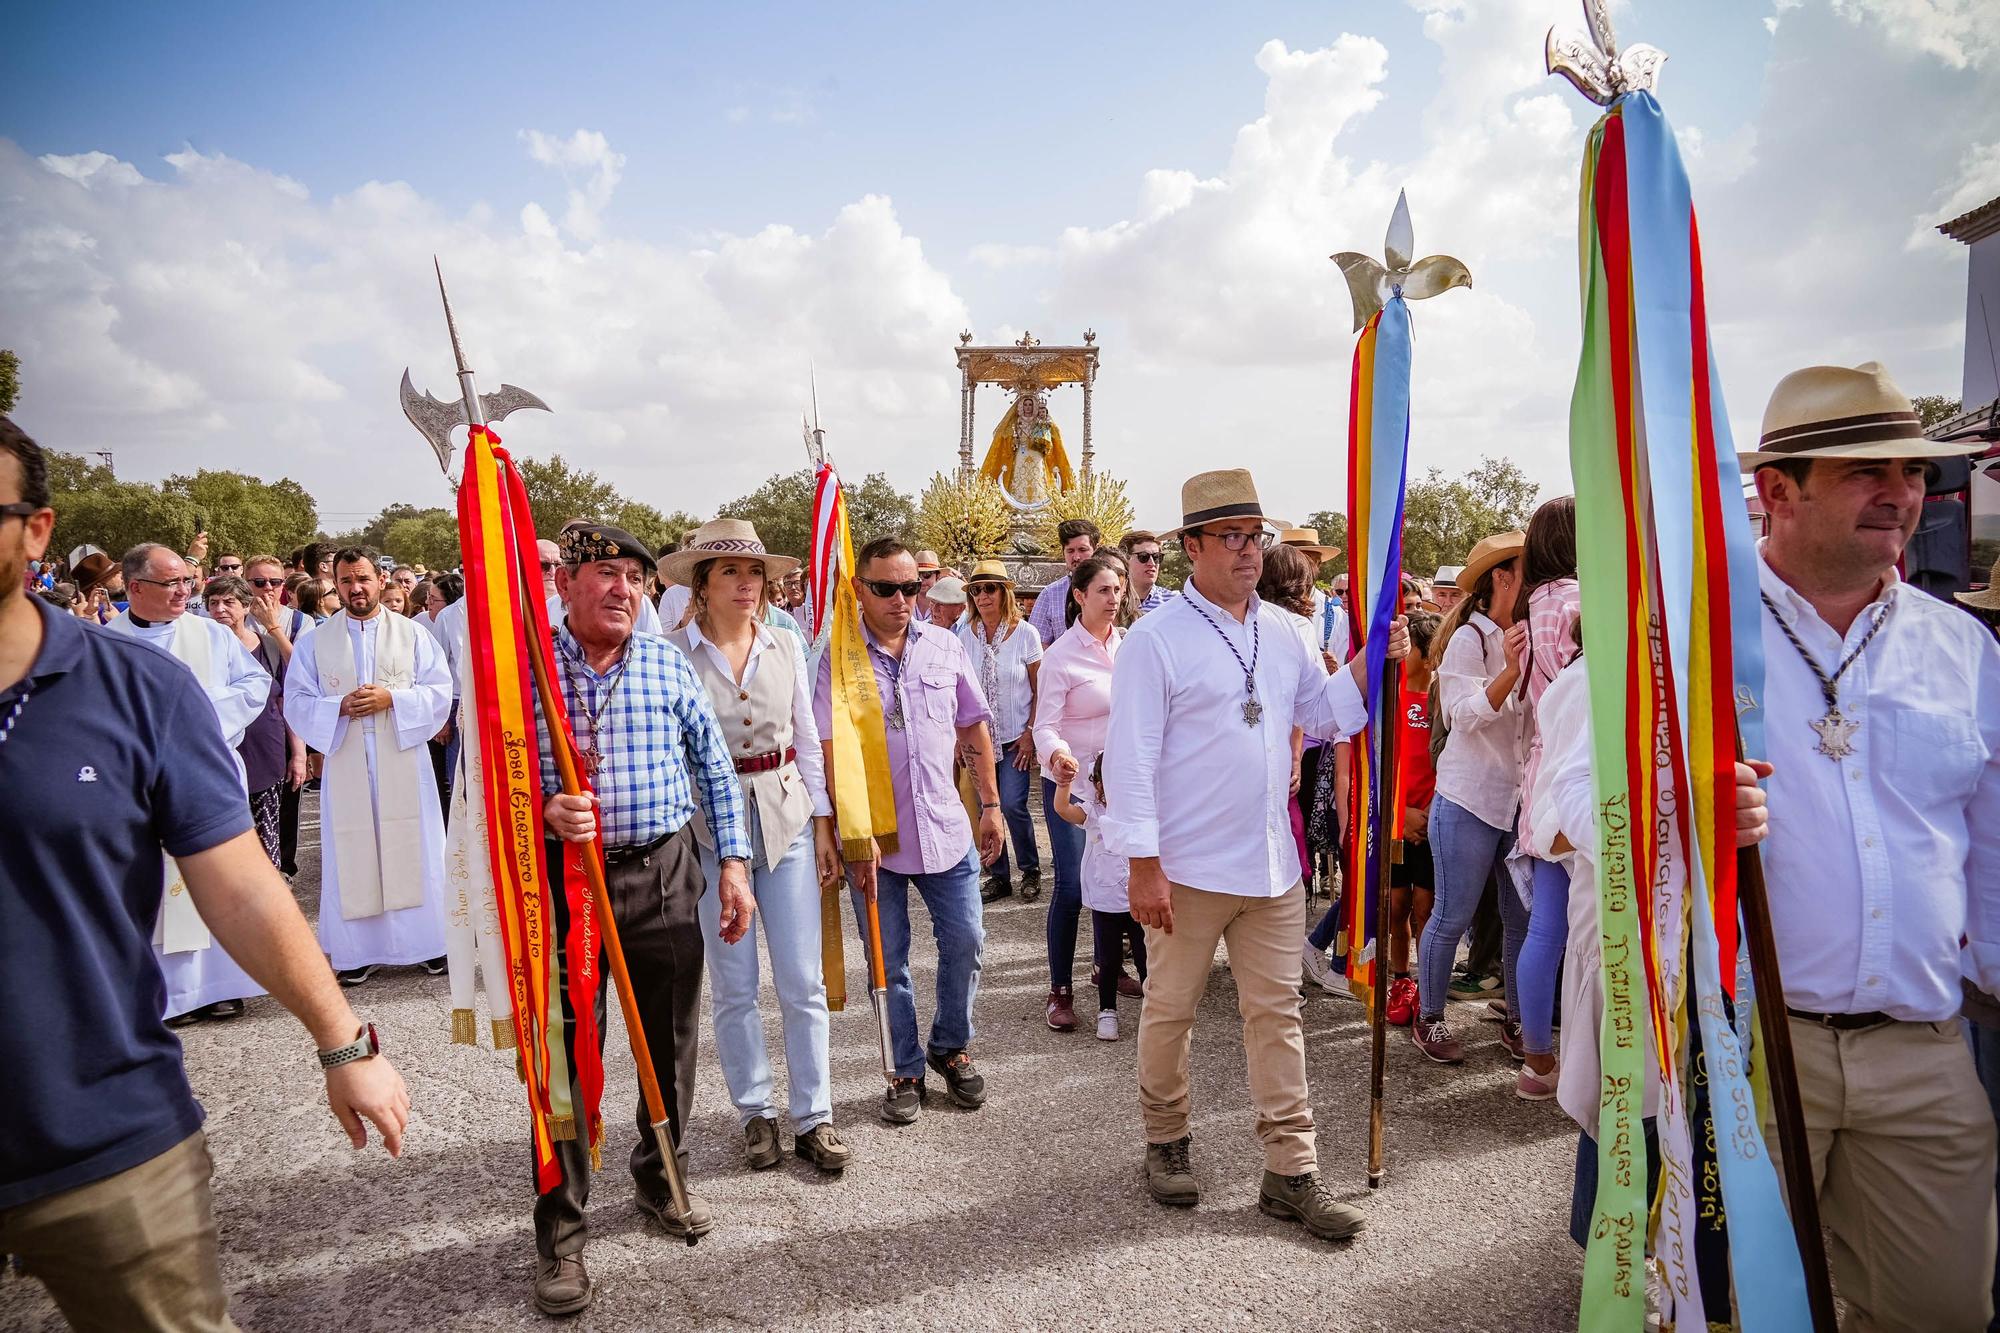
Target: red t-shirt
<point x="1416" y="775"/>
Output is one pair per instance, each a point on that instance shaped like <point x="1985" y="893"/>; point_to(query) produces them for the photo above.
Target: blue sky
<point x="763" y="185"/>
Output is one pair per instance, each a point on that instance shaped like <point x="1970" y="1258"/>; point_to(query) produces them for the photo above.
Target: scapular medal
<point x="1252" y="710"/>
<point x="1835" y="731"/>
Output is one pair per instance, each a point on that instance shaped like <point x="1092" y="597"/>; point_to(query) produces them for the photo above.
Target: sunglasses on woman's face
<point x="885" y="589"/>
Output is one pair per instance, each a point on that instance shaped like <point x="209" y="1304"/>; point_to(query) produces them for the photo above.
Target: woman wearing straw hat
<point x="757" y="681"/>
<point x="1481" y="652"/>
<point x="1006" y="654"/>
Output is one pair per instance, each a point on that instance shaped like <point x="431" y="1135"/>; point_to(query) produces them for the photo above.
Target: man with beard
<point x="199" y="976"/>
<point x="368" y="691"/>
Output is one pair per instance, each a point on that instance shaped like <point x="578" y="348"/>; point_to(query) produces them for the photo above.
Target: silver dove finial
<point x="1592" y="62"/>
<point x="1371" y="284"/>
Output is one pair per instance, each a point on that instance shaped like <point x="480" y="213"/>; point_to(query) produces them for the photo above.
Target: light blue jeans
<point x="787" y="897"/>
<point x="952" y="898"/>
<point x="1466" y="853"/>
<point x="1541" y="957"/>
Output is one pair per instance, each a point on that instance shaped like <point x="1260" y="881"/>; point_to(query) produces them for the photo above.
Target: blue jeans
<point x="952" y="898"/>
<point x="1066" y="899"/>
<point x="787" y="897"/>
<point x="1541" y="957"/>
<point x="1014" y="808"/>
<point x="1466" y="853"/>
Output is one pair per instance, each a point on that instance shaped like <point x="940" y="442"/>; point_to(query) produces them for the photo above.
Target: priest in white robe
<point x="199" y="973"/>
<point x="368" y="689"/>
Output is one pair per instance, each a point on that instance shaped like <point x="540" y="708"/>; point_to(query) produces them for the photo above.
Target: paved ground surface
<point x="1030" y="1213"/>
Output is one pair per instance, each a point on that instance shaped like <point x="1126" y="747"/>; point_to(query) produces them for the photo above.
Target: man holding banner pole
<point x="654" y="751"/>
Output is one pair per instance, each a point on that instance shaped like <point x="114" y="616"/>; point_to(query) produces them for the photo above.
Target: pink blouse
<point x="1073" y="697"/>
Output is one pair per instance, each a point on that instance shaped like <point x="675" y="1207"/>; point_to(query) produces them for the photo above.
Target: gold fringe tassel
<point x="464" y="1028"/>
<point x="503" y="1035"/>
<point x="562" y="1126"/>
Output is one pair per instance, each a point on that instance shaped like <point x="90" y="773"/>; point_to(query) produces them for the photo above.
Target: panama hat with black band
<point x="1211" y="497"/>
<point x="1843" y="412"/>
<point x="990" y="571"/>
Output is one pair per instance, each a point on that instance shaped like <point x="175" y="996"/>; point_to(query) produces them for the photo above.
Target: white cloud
<point x="224" y="318"/>
<point x="584" y="152"/>
<point x="1961" y="33"/>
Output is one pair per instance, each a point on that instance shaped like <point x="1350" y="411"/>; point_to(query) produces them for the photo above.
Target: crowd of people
<point x="1193" y="749"/>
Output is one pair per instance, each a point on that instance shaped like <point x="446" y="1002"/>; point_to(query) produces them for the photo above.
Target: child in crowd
<point x="1411" y="880"/>
<point x="1105" y="893"/>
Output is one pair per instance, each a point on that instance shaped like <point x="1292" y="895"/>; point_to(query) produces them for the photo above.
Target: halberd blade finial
<point x="1372" y="285"/>
<point x="450" y="324"/>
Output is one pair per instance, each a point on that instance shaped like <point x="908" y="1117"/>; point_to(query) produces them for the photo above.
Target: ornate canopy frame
<point x="1023" y="366"/>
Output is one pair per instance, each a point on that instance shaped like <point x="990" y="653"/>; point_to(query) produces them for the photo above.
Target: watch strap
<point x="364" y="1045"/>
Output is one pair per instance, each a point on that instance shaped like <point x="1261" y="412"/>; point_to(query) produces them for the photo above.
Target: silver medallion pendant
<point x="1252" y="710"/>
<point x="1836" y="735"/>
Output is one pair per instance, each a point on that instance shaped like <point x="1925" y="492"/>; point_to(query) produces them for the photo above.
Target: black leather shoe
<point x="994" y="889"/>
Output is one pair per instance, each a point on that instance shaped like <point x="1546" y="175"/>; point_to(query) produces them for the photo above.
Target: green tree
<point x="558" y="493"/>
<point x="428" y="537"/>
<point x="650" y="526"/>
<point x="375" y="532"/>
<point x="781" y="509"/>
<point x="1931" y="407"/>
<point x="10" y="381"/>
<point x="244" y="514"/>
<point x="118" y="515"/>
<point x="1444" y="516"/>
<point x="69" y="473"/>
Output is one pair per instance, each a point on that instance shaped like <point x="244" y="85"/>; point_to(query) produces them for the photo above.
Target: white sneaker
<point x="1107" y="1025"/>
<point x="1319" y="968"/>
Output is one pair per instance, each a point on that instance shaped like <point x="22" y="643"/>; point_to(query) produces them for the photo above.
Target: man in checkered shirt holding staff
<point x="657" y="756"/>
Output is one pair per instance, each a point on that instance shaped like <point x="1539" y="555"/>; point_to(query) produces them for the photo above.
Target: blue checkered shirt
<point x="659" y="745"/>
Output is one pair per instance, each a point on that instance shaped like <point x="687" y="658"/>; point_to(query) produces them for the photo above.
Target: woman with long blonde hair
<point x="1006" y="654"/>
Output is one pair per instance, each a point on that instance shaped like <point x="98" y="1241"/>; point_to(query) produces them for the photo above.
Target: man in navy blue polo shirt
<point x="109" y="755"/>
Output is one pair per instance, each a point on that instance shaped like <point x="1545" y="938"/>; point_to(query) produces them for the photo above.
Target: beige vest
<point x="757" y="720"/>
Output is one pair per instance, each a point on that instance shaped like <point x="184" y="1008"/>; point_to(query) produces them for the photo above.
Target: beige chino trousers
<point x="1264" y="957"/>
<point x="1903" y="1156"/>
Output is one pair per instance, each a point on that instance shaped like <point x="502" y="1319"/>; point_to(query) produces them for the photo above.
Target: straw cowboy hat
<point x="986" y="571"/>
<point x="1306" y="540"/>
<point x="1984" y="601"/>
<point x="1210" y="497"/>
<point x="1837" y="412"/>
<point x="723" y="537"/>
<point x="1495" y="550"/>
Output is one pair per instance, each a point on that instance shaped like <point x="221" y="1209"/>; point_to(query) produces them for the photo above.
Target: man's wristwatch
<point x="365" y="1044"/>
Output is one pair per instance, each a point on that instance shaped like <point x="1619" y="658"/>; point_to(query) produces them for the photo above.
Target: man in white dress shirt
<point x="1197" y="776"/>
<point x="369" y="690"/>
<point x="1882" y="723"/>
<point x="202" y="979"/>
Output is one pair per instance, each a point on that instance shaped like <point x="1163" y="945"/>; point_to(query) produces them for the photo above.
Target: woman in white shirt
<point x="1006" y="655"/>
<point x="1072" y="714"/>
<point x="756" y="679"/>
<point x="1478" y="784"/>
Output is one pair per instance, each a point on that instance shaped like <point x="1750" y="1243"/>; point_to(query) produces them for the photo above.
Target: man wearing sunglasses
<point x="1142" y="561"/>
<point x="932" y="707"/>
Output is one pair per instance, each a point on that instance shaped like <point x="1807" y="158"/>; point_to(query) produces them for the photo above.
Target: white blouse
<point x="1002" y="672"/>
<point x="1480" y="768"/>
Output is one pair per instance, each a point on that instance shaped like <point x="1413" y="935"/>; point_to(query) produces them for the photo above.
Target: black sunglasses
<point x="548" y="565"/>
<point x="267" y="583"/>
<point x="1146" y="557"/>
<point x="19" y="509"/>
<point x="885" y="589"/>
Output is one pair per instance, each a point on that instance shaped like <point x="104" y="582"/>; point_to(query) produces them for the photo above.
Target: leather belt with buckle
<point x="764" y="763"/>
<point x="634" y="851"/>
<point x="1842" y="1022"/>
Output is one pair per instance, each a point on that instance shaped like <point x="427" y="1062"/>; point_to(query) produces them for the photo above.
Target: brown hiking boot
<point x="562" y="1287"/>
<point x="760" y="1143"/>
<point x="1307" y="1200"/>
<point x="1170" y="1173"/>
<point x="1061" y="1010"/>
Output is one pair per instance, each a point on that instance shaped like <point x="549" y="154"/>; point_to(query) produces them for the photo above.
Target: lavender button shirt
<point x="939" y="696"/>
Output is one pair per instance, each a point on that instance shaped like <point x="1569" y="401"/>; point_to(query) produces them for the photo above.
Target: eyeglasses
<point x="929" y="575"/>
<point x="1149" y="557"/>
<point x="19" y="509"/>
<point x="168" y="583"/>
<point x="267" y="583"/>
<point x="985" y="590"/>
<point x="1236" y="541"/>
<point x="885" y="589"/>
<point x="229" y="569"/>
<point x="548" y="565"/>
